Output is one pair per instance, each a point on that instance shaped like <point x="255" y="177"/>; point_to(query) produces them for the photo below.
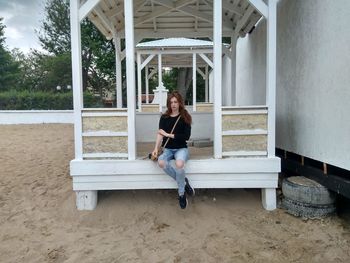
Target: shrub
<point x="39" y="100"/>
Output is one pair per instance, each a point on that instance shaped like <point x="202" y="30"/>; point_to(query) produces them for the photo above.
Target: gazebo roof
<point x="180" y="42"/>
<point x="173" y="18"/>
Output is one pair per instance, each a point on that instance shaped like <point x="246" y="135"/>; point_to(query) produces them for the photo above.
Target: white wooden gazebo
<point x="174" y="53"/>
<point x="243" y="137"/>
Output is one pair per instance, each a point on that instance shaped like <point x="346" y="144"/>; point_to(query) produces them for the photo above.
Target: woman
<point x="176" y="147"/>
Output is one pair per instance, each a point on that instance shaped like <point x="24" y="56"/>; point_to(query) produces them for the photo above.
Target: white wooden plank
<point x="271" y="76"/>
<point x="232" y="8"/>
<point x="206" y="59"/>
<point x="206" y="83"/>
<point x="147" y="60"/>
<point x="130" y="76"/>
<point x="177" y="51"/>
<point x="76" y="76"/>
<point x="244" y="153"/>
<point x="203" y="166"/>
<point x="201" y="72"/>
<point x="161" y="176"/>
<point x="86" y="8"/>
<point x="260" y="6"/>
<point x="139" y="83"/>
<point x="104" y="19"/>
<point x="147" y="84"/>
<point x="217" y="78"/>
<point x="244" y="112"/>
<point x="104" y="134"/>
<point x="105" y="155"/>
<point x="244" y="132"/>
<point x="104" y="114"/>
<point x="194" y="82"/>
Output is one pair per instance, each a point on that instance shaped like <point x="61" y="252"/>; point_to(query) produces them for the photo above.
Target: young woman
<point x="176" y="148"/>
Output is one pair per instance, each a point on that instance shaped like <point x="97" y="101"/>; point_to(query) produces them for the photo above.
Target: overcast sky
<point x="21" y="18"/>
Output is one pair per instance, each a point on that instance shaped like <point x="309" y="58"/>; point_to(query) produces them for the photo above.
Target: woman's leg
<point x="164" y="163"/>
<point x="181" y="156"/>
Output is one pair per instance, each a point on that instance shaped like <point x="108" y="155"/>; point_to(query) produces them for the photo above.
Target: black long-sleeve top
<point x="182" y="131"/>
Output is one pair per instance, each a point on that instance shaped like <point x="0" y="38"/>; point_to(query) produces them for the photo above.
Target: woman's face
<point x="174" y="104"/>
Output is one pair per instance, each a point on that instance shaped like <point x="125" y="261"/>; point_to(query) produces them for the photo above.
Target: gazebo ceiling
<point x="174" y="18"/>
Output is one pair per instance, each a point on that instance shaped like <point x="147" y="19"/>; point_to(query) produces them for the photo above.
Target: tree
<point x="97" y="52"/>
<point x="9" y="69"/>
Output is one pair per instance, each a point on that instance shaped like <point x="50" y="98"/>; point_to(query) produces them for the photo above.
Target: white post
<point x="76" y="76"/>
<point x="271" y="76"/>
<point x="217" y="79"/>
<point x="194" y="81"/>
<point x="160" y="81"/>
<point x="147" y="85"/>
<point x="130" y="77"/>
<point x="139" y="87"/>
<point x="233" y="70"/>
<point x="118" y="74"/>
<point x="159" y="70"/>
<point x="206" y="83"/>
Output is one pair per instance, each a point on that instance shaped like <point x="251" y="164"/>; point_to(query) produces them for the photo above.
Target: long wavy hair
<point x="183" y="112"/>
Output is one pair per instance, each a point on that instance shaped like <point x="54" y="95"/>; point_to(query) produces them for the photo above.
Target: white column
<point x="118" y="73"/>
<point x="206" y="84"/>
<point x="130" y="77"/>
<point x="194" y="82"/>
<point x="159" y="70"/>
<point x="160" y="81"/>
<point x="233" y="70"/>
<point x="77" y="77"/>
<point x="139" y="87"/>
<point x="271" y="77"/>
<point x="217" y="79"/>
<point x="147" y="85"/>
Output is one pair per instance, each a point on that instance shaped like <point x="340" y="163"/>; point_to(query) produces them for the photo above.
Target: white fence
<point x="36" y="116"/>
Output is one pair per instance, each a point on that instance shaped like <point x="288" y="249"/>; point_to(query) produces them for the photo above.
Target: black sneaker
<point x="188" y="188"/>
<point x="182" y="201"/>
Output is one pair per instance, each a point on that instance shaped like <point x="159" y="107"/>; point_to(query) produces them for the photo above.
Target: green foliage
<point x="39" y="100"/>
<point x="97" y="52"/>
<point x="9" y="68"/>
<point x="40" y="72"/>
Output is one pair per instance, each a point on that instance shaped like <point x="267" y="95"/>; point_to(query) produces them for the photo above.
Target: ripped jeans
<point x="177" y="174"/>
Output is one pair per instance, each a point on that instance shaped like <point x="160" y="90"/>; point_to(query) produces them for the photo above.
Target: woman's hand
<point x="155" y="152"/>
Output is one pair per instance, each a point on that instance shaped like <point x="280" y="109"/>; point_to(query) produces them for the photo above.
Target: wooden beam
<point x="232" y="8"/>
<point x="147" y="60"/>
<point x="130" y="77"/>
<point x="86" y="8"/>
<point x="260" y="6"/>
<point x="217" y="78"/>
<point x="104" y="19"/>
<point x="206" y="59"/>
<point x="193" y="12"/>
<point x="77" y="77"/>
<point x="158" y="11"/>
<point x="243" y="20"/>
<point x="271" y="47"/>
<point x="201" y="72"/>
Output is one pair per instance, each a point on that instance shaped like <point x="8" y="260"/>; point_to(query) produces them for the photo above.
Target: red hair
<point x="183" y="112"/>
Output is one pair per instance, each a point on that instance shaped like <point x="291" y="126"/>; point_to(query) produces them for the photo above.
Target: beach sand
<point x="40" y="223"/>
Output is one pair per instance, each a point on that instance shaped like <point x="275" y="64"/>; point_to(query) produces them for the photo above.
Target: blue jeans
<point x="177" y="174"/>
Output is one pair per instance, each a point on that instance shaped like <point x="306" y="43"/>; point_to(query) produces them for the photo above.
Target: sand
<point x="39" y="221"/>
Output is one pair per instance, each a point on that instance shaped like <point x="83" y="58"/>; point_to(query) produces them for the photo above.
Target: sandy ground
<point x="39" y="221"/>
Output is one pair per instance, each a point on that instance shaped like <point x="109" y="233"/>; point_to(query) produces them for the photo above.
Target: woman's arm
<point x="158" y="144"/>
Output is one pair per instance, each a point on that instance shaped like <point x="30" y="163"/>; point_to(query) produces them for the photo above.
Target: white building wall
<point x="313" y="77"/>
<point x="251" y="67"/>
